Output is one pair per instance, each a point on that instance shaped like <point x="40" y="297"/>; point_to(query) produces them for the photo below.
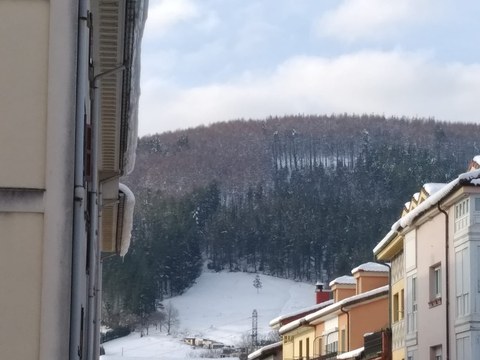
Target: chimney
<point x="321" y="295"/>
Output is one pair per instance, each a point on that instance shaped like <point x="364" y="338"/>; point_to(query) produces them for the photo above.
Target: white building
<point x="439" y="237"/>
<point x="69" y="90"/>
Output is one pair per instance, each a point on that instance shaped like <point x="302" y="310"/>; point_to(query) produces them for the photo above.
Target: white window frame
<point x="412" y="304"/>
<point x="436" y="281"/>
<point x="462" y="282"/>
<point x="436" y="352"/>
<point x="462" y="215"/>
<point x="435" y="278"/>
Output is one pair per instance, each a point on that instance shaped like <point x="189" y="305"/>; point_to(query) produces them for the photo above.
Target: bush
<point x="116" y="333"/>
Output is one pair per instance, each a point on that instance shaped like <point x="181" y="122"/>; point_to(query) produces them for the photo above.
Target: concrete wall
<point x="24" y="35"/>
<point x="362" y="321"/>
<point x="370" y="280"/>
<point x="20" y="283"/>
<point x="37" y="68"/>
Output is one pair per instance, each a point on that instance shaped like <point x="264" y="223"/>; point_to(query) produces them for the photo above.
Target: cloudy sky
<point x="213" y="60"/>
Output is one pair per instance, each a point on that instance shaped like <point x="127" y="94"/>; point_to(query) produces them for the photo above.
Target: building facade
<point x="68" y="132"/>
<point x="339" y="327"/>
<point x="438" y="238"/>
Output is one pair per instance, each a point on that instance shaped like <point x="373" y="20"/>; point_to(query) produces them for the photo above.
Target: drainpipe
<point x="348" y="326"/>
<point x="78" y="294"/>
<point x="389" y="291"/>
<point x="447" y="291"/>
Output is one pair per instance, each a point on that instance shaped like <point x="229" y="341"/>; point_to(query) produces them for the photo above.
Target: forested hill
<point x="241" y="153"/>
<point x="303" y="197"/>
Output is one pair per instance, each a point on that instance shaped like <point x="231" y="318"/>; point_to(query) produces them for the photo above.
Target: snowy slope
<point x="218" y="307"/>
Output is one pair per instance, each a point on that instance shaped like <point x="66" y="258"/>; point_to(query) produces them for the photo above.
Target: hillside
<point x="302" y="198"/>
<point x="241" y="153"/>
<point x="218" y="307"/>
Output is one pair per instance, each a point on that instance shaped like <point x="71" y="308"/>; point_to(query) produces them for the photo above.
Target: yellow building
<point x="392" y="252"/>
<point x="69" y="89"/>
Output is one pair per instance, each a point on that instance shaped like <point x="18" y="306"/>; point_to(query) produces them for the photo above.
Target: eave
<point x="117" y="30"/>
<point x="393" y="248"/>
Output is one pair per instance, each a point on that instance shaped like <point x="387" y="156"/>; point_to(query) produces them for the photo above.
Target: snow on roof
<point x="416" y="196"/>
<point x="407" y="204"/>
<point x="477" y="159"/>
<point x="138" y="27"/>
<point x="127" y="218"/>
<point x="343" y="280"/>
<point x="432" y="188"/>
<point x="432" y="200"/>
<point x="309" y="309"/>
<point x="264" y="349"/>
<point x="350" y="354"/>
<point x="371" y="266"/>
<point x="383" y="290"/>
<point x="293" y="325"/>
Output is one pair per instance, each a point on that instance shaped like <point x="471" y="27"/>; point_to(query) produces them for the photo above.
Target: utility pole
<point x="254" y="328"/>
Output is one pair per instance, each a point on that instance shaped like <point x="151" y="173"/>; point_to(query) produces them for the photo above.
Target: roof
<point x="343" y="280"/>
<point x="350" y="354"/>
<point x="468" y="178"/>
<point x="432" y="188"/>
<point x="266" y="350"/>
<point x="350" y="301"/>
<point x="371" y="266"/>
<point x="301" y="312"/>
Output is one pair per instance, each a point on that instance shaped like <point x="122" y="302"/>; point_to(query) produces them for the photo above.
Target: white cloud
<point x="164" y="14"/>
<point x="374" y="19"/>
<point x="391" y="83"/>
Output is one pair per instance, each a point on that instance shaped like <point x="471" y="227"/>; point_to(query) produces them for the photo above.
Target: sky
<point x="219" y="306"/>
<point x="205" y="61"/>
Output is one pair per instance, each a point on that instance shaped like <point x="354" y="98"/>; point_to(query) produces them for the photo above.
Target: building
<point x="434" y="249"/>
<point x="340" y="326"/>
<point x="68" y="132"/>
<point x="268" y="352"/>
<point x="294" y="320"/>
<point x="393" y="254"/>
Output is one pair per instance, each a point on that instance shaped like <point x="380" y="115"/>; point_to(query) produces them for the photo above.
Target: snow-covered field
<point x="218" y="307"/>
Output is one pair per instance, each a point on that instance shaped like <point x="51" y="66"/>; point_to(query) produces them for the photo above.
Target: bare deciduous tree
<point x="171" y="317"/>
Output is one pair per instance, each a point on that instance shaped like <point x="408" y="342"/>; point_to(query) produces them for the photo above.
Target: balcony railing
<point x="332" y="355"/>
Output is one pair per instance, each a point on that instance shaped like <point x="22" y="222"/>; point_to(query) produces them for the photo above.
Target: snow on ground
<point x="218" y="307"/>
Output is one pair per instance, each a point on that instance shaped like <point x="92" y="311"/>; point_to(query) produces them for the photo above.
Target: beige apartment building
<point x="68" y="106"/>
<point x="435" y="250"/>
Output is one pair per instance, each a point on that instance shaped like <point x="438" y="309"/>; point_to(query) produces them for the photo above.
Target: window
<point x="463" y="348"/>
<point x="436" y="352"/>
<point x="435" y="285"/>
<point x="307" y="348"/>
<point x="401" y="314"/>
<point x="462" y="213"/>
<point x="462" y="282"/>
<point x="396" y="308"/>
<point x="477" y="204"/>
<point x="411" y="304"/>
<point x="300" y="349"/>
